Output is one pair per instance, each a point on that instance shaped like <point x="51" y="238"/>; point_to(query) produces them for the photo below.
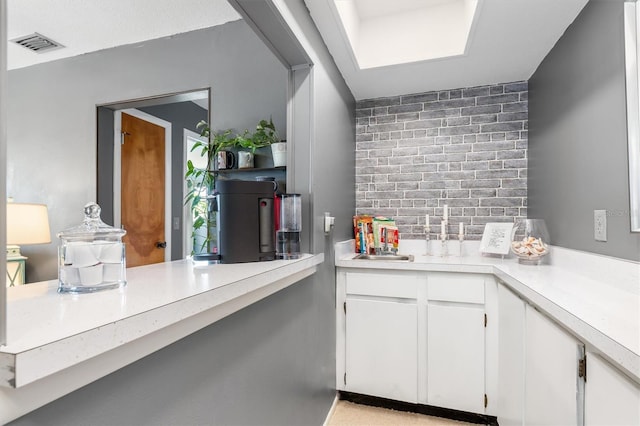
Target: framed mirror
<point x="631" y="27"/>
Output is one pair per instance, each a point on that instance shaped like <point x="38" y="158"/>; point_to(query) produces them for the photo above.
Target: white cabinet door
<point x="610" y="397"/>
<point x="551" y="373"/>
<point x="456" y="356"/>
<point x="510" y="358"/>
<point x="381" y="348"/>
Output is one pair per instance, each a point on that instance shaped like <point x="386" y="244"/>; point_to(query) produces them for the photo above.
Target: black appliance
<point x="245" y="221"/>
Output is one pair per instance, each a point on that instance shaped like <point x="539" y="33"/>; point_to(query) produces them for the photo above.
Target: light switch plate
<point x="600" y="225"/>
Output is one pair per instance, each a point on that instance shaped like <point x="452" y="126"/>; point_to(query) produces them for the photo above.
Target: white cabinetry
<point x="381" y="329"/>
<point x="381" y="352"/>
<point x="538" y="376"/>
<point x="417" y="337"/>
<point x="510" y="358"/>
<point x="610" y="397"/>
<point x="456" y="342"/>
<point x="554" y="393"/>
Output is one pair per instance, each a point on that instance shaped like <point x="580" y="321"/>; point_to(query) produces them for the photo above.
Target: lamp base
<point x="13" y="252"/>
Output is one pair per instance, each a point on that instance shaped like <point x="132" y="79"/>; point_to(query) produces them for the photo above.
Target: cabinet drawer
<point x="383" y="284"/>
<point x="461" y="288"/>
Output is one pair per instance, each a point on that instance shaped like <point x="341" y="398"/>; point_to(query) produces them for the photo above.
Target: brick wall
<point x="466" y="148"/>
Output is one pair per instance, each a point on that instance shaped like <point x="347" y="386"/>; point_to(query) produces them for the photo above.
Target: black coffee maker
<point x="245" y="221"/>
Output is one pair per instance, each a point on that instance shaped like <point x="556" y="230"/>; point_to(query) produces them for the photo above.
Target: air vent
<point x="37" y="43"/>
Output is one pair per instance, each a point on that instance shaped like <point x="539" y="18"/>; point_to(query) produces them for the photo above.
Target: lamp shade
<point x="27" y="224"/>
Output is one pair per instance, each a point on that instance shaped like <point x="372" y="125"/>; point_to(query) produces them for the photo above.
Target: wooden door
<point x="142" y="190"/>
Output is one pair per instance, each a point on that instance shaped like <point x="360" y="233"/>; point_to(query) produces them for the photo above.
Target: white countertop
<point x="49" y="332"/>
<point x="596" y="298"/>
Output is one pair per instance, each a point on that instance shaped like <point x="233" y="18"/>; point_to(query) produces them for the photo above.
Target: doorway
<point x="199" y="161"/>
<point x="142" y="185"/>
<point x="183" y="111"/>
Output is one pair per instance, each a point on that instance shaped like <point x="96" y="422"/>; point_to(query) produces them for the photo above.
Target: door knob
<point x="161" y="244"/>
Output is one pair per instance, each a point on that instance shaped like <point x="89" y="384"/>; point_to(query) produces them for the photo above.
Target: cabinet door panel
<point x="510" y="358"/>
<point x="455" y="357"/>
<point x="610" y="397"/>
<point x="551" y="373"/>
<point x="383" y="284"/>
<point x="462" y="288"/>
<point x="381" y="349"/>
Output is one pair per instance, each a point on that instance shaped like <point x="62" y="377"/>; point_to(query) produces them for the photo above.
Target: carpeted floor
<point x="348" y="413"/>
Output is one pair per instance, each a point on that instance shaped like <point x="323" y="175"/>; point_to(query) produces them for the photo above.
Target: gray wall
<point x="256" y="367"/>
<point x="273" y="362"/>
<point x="577" y="135"/>
<point x="181" y="115"/>
<point x="3" y="162"/>
<point x="466" y="148"/>
<point x="52" y="114"/>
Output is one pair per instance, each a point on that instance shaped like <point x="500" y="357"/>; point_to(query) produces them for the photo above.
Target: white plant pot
<point x="279" y="153"/>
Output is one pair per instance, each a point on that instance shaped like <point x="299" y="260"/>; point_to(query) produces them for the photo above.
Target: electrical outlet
<point x="600" y="225"/>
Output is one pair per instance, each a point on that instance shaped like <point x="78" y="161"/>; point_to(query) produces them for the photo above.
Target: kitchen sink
<point x="385" y="257"/>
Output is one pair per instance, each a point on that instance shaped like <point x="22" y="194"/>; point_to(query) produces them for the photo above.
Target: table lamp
<point x="26" y="224"/>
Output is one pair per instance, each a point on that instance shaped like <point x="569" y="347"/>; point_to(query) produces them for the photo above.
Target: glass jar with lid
<point x="91" y="256"/>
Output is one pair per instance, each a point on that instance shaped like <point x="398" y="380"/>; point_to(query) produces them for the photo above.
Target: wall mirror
<point x="631" y="27"/>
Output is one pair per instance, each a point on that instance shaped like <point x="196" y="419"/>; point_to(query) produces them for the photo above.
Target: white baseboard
<point x="331" y="410"/>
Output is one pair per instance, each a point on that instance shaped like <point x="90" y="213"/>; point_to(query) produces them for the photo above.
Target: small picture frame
<point x="496" y="238"/>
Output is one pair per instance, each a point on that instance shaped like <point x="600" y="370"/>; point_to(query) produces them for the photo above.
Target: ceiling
<point x="84" y="26"/>
<point x="507" y="40"/>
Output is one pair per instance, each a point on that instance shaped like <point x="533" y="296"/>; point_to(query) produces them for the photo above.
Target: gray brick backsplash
<point x="384" y="119"/>
<point x="459" y="130"/>
<point x="424" y="124"/>
<point x="377" y="128"/>
<point x="404" y="108"/>
<point x="408" y="116"/>
<point x="515" y="107"/>
<point x="496" y="165"/>
<point x="418" y="98"/>
<point x="497" y="174"/>
<point x="493" y="146"/>
<point x="502" y="127"/>
<point x="521" y="86"/>
<point x="458" y="121"/>
<point x="513" y="116"/>
<point x="380" y="111"/>
<point x="464" y="147"/>
<point x="401" y="160"/>
<point x="498" y="99"/>
<point x="405" y="177"/>
<point x="472" y="92"/>
<point x="439" y="113"/>
<point x="482" y="119"/>
<point x="370" y="103"/>
<point x="478" y="156"/>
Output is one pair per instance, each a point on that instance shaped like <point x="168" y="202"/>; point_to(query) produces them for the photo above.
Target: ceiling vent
<point x="37" y="43"/>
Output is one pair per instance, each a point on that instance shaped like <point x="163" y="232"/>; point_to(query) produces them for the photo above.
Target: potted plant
<point x="200" y="191"/>
<point x="247" y="143"/>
